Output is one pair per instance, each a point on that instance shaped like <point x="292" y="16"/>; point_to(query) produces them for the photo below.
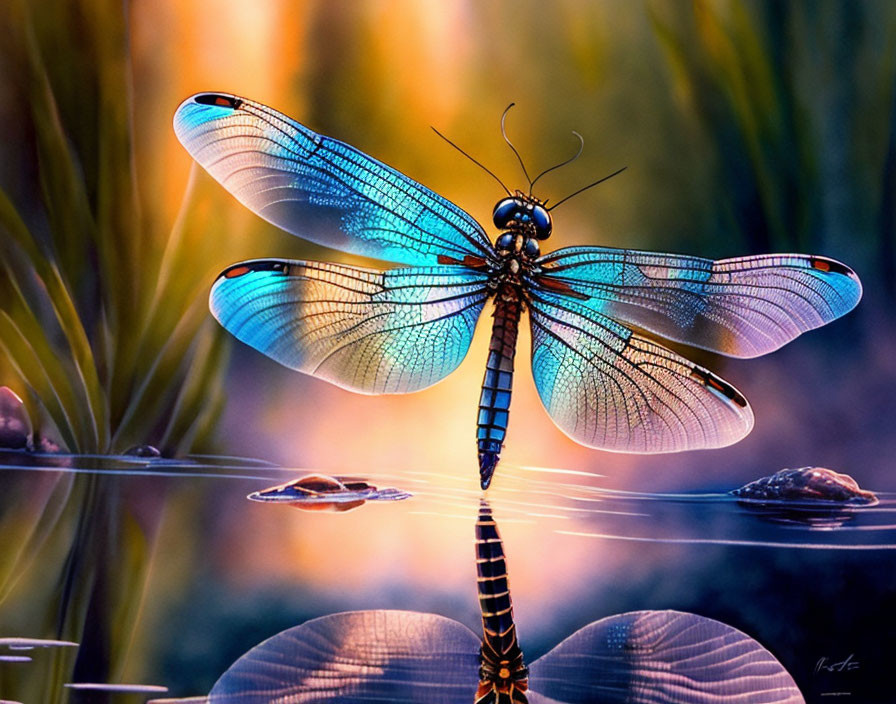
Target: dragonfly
<point x="640" y="657"/>
<point x="593" y="311"/>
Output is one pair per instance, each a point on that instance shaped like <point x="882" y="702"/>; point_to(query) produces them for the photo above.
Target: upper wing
<point x="661" y="657"/>
<point x="361" y="657"/>
<point x="321" y="189"/>
<point x="609" y="388"/>
<point x="743" y="307"/>
<point x="365" y="330"/>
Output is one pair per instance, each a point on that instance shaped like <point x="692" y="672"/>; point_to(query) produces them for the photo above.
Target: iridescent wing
<point x="609" y="388"/>
<point x="742" y="307"/>
<point x="361" y="657"/>
<point x="365" y="330"/>
<point x="321" y="189"/>
<point x="660" y="657"/>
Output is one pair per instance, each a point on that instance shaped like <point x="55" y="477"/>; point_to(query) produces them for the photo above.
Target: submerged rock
<point x="43" y="445"/>
<point x="15" y="427"/>
<point x="143" y="451"/>
<point x="318" y="492"/>
<point x="815" y="484"/>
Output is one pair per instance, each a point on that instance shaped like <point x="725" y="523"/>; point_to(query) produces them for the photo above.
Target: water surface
<point x="224" y="573"/>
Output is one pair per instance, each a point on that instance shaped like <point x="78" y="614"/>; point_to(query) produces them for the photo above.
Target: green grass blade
<point x="52" y="389"/>
<point x="67" y="316"/>
<point x="64" y="190"/>
<point x="209" y="359"/>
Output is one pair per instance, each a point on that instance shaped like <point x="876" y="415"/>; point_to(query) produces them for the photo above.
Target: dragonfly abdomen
<point x="494" y="401"/>
<point x="503" y="676"/>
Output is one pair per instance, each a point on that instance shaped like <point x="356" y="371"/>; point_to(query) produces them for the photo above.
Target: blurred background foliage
<point x="747" y="127"/>
<point x="99" y="321"/>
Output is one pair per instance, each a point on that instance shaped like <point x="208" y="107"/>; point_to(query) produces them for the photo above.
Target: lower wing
<point x="661" y="657"/>
<point x="608" y="388"/>
<point x="365" y="330"/>
<point x="742" y="307"/>
<point x="358" y="657"/>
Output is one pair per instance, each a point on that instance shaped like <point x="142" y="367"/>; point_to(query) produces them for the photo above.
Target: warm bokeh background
<point x="745" y="127"/>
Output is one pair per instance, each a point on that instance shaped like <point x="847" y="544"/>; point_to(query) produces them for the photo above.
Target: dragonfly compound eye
<point x="542" y="219"/>
<point x="505" y="211"/>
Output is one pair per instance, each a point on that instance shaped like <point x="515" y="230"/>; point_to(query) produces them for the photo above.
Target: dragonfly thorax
<point x="524" y="221"/>
<point x="517" y="255"/>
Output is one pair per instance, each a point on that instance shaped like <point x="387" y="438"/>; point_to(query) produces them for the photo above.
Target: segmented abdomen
<point x="494" y="401"/>
<point x="503" y="675"/>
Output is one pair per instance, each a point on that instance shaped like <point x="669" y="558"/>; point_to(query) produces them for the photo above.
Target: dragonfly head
<point x="524" y="214"/>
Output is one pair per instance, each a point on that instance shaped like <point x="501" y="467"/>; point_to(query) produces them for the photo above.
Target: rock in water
<point x="318" y="492"/>
<point x="143" y="451"/>
<point x="807" y="484"/>
<point x="15" y="427"/>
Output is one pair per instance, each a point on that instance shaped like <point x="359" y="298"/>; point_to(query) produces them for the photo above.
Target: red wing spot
<point x="218" y="100"/>
<point x="561" y="287"/>
<point x="716" y="384"/>
<point x="831" y="266"/>
<point x="236" y="271"/>
<point x="468" y="261"/>
<point x="474" y="262"/>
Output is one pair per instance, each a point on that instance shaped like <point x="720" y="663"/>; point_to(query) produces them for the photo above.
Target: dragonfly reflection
<point x="401" y="330"/>
<point x="642" y="657"/>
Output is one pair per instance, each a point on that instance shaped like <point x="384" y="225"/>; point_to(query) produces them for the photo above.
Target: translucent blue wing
<point x="366" y="330"/>
<point x="322" y="189"/>
<point x="609" y="388"/>
<point x="743" y="307"/>
<point x="361" y="657"/>
<point x="661" y="657"/>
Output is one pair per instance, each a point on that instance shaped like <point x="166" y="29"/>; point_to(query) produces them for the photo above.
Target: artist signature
<point x="826" y="664"/>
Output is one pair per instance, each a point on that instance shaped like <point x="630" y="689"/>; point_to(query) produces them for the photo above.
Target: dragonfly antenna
<point x="510" y="144"/>
<point x="590" y="185"/>
<point x="562" y="163"/>
<point x="488" y="171"/>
